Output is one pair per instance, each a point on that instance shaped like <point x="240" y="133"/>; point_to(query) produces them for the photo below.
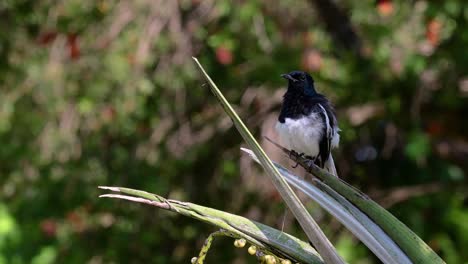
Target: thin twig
<point x="310" y="167"/>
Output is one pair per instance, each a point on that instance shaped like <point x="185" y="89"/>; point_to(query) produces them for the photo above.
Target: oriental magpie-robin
<point x="307" y="122"/>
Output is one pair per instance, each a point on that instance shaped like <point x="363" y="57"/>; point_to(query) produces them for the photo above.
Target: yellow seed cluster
<point x="252" y="250"/>
<point x="269" y="259"/>
<point x="240" y="243"/>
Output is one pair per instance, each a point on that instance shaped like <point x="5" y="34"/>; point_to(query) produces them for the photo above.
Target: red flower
<point x="73" y="48"/>
<point x="385" y="7"/>
<point x="223" y="55"/>
<point x="433" y="32"/>
<point x="49" y="227"/>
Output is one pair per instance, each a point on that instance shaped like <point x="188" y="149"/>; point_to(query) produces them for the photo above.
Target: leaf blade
<point x="257" y="233"/>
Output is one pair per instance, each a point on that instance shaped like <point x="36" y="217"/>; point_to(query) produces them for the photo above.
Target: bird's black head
<point x="300" y="82"/>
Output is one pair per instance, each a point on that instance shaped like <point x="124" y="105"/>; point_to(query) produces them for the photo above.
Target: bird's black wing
<point x="321" y="105"/>
<point x="325" y="141"/>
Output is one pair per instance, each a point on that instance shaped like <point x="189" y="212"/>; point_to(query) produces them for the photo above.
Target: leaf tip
<point x="114" y="189"/>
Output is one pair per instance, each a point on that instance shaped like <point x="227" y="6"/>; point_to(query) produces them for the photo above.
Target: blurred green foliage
<point x="105" y="93"/>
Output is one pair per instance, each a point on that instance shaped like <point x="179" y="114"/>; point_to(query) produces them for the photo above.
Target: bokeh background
<point x="105" y="93"/>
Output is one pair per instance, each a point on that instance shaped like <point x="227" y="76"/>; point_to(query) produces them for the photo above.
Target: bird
<point x="307" y="122"/>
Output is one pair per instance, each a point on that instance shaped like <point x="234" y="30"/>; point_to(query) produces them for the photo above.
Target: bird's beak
<point x="288" y="77"/>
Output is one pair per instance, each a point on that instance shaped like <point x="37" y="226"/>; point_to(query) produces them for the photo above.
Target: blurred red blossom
<point x="49" y="227"/>
<point x="433" y="28"/>
<point x="73" y="48"/>
<point x="223" y="55"/>
<point x="385" y="7"/>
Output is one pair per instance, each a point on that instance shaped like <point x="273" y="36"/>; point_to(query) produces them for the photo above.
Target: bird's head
<point x="300" y="82"/>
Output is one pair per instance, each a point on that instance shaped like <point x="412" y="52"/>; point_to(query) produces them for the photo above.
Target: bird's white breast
<point x="301" y="135"/>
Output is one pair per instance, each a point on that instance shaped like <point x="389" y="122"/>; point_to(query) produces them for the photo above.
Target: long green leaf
<point x="273" y="240"/>
<point x="310" y="227"/>
<point x="407" y="240"/>
<point x="347" y="214"/>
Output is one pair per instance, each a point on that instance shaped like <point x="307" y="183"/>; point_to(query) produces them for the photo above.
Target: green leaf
<point x="346" y="213"/>
<point x="272" y="240"/>
<point x="409" y="242"/>
<point x="418" y="146"/>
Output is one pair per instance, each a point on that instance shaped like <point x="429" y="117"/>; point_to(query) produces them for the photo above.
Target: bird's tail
<point x="330" y="166"/>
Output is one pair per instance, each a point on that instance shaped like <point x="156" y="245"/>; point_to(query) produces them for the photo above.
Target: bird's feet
<point x="311" y="161"/>
<point x="296" y="155"/>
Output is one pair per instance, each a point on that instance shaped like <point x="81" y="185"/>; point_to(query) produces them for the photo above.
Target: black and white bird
<point x="307" y="122"/>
